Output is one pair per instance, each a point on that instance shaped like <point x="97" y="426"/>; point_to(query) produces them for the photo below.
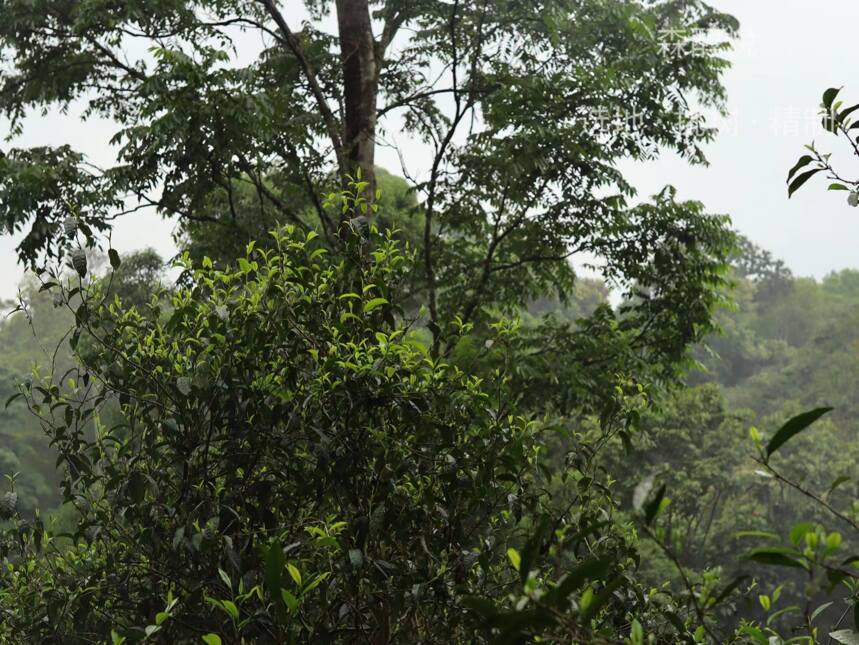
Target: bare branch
<point x="294" y="46"/>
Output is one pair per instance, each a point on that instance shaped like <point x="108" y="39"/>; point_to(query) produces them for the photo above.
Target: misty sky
<point x="788" y="53"/>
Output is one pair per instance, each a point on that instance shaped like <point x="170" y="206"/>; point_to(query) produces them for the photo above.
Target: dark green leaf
<point x="799" y="181"/>
<point x="114" y="258"/>
<point x="12" y="398"/>
<point x="590" y="570"/>
<point x="829" y="97"/>
<point x="803" y="161"/>
<point x="842" y="116"/>
<point x="482" y="606"/>
<point x="794" y="427"/>
<point x="776" y="557"/>
<point x="274" y="564"/>
<point x="843" y="479"/>
<point x="137" y="487"/>
<point x="652" y="507"/>
<point x="533" y="546"/>
<point x="600" y="600"/>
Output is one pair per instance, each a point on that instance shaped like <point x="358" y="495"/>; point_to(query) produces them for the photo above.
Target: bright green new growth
<point x="271" y="453"/>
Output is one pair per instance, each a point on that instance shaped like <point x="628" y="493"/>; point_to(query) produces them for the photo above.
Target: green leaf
<point x="294" y="573"/>
<point x="794" y="427"/>
<point x="600" y="600"/>
<point x="799" y="181"/>
<point x="274" y="563"/>
<point x="636" y="634"/>
<point x="289" y="600"/>
<point x="533" y="546"/>
<point x="842" y="116"/>
<point x="230" y="607"/>
<point x="843" y="479"/>
<point x="803" y="161"/>
<point x="799" y="530"/>
<point x="767" y="535"/>
<point x="829" y="97"/>
<point x="652" y="508"/>
<point x="12" y="398"/>
<point x="316" y="582"/>
<point x="137" y="487"/>
<point x="375" y="303"/>
<point x="756" y="634"/>
<point x="348" y="315"/>
<point x="776" y="557"/>
<point x="514" y="557"/>
<point x="676" y="621"/>
<point x="113" y="256"/>
<point x="781" y="612"/>
<point x="820" y="610"/>
<point x="838" y="187"/>
<point x="211" y="639"/>
<point x="835" y="577"/>
<point x="589" y="570"/>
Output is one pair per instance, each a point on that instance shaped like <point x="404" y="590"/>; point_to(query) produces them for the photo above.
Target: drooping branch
<point x="463" y="104"/>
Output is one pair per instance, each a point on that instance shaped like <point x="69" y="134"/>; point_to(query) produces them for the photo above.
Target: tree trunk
<point x="360" y="89"/>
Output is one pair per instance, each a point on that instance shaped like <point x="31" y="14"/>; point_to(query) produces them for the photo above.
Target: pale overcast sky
<point x="789" y="52"/>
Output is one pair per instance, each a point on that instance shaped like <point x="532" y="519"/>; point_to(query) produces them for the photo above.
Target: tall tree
<point x="361" y="62"/>
<point x="259" y="405"/>
<point x="523" y="109"/>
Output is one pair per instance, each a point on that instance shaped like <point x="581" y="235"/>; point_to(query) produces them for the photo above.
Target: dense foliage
<point x="288" y="463"/>
<point x="386" y="410"/>
<point x="771" y="362"/>
<point x="696" y="443"/>
<point x="222" y="110"/>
